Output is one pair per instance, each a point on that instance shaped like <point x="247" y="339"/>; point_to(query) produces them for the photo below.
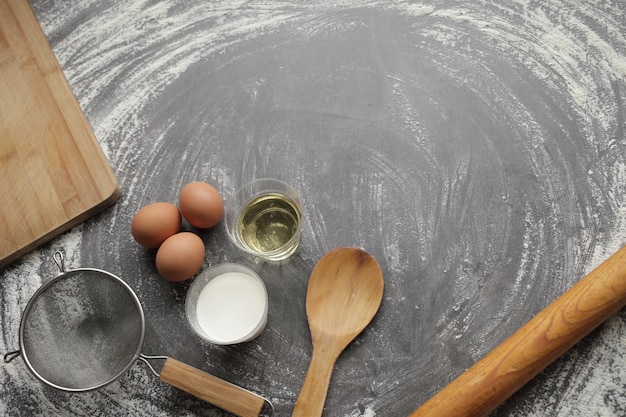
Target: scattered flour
<point x="122" y="57"/>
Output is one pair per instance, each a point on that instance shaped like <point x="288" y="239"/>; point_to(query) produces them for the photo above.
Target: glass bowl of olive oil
<point x="264" y="218"/>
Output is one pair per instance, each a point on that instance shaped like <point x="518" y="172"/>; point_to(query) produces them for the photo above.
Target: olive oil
<point x="268" y="222"/>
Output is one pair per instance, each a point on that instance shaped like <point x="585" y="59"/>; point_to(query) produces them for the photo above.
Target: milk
<point x="232" y="307"/>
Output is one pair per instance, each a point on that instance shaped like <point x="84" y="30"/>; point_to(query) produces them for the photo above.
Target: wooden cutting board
<point x="53" y="174"/>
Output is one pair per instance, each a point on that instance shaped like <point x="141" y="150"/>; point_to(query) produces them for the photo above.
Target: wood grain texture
<point x="53" y="172"/>
<point x="475" y="149"/>
<point x="553" y="331"/>
<point x="344" y="293"/>
<point x="225" y="395"/>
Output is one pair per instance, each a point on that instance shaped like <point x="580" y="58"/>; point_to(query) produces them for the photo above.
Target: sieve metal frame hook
<point x="9" y="356"/>
<point x="59" y="259"/>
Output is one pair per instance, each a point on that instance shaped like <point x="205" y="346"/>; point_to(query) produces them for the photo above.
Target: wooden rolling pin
<point x="558" y="327"/>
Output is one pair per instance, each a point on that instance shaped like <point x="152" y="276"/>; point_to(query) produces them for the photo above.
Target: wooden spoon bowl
<point x="344" y="293"/>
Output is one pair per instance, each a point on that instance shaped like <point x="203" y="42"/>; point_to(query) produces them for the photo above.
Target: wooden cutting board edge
<point x="76" y="120"/>
<point x="62" y="229"/>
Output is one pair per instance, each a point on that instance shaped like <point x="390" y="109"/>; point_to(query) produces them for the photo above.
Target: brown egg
<point x="201" y="204"/>
<point x="180" y="256"/>
<point x="154" y="223"/>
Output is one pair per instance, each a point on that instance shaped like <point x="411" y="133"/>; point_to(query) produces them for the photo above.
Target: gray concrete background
<point x="475" y="150"/>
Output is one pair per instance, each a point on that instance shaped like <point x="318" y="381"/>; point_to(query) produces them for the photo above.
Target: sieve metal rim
<point x="43" y="289"/>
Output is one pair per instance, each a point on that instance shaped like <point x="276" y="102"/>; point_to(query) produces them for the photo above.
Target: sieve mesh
<point x="82" y="330"/>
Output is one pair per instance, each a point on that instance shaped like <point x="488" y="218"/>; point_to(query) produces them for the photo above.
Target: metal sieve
<point x="85" y="328"/>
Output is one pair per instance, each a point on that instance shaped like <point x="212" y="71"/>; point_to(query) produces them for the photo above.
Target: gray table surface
<point x="475" y="149"/>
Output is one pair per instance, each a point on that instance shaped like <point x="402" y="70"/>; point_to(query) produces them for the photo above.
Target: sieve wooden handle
<point x="218" y="392"/>
<point x="534" y="346"/>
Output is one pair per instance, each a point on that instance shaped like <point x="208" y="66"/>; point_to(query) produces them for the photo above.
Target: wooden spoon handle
<point x="225" y="395"/>
<point x="310" y="402"/>
<point x="535" y="345"/>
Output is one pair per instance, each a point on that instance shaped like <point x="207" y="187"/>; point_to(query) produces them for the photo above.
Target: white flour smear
<point x="476" y="149"/>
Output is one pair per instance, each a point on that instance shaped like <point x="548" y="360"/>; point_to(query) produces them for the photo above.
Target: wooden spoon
<point x="344" y="293"/>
